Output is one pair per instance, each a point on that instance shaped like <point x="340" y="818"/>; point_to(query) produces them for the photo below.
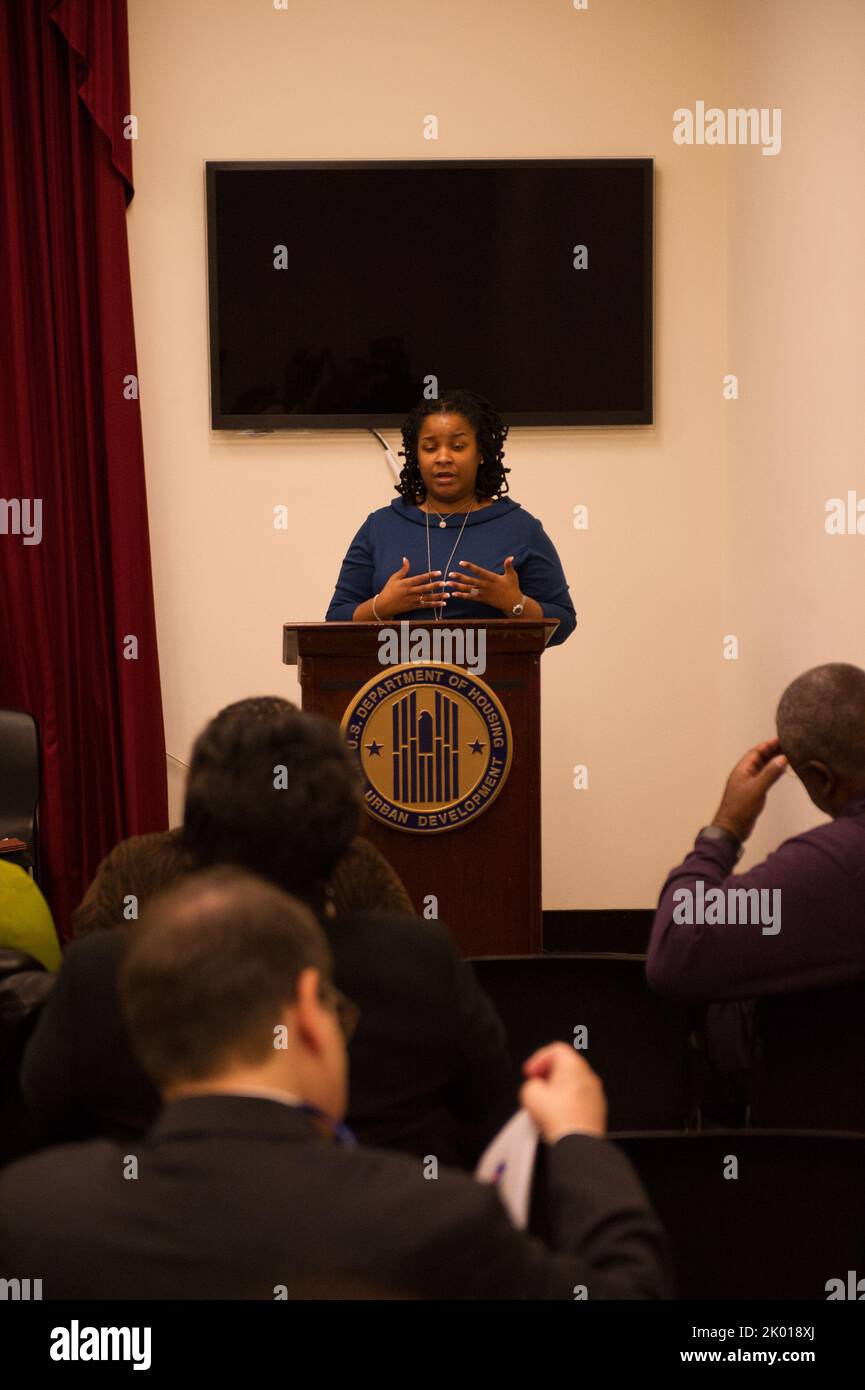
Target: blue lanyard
<point x="340" y="1132"/>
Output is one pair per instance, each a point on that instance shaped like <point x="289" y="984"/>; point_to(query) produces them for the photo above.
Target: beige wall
<point x="707" y="523"/>
<point x="794" y="595"/>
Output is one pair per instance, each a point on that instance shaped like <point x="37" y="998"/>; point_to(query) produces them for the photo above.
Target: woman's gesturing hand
<point x="500" y="591"/>
<point x="403" y="592"/>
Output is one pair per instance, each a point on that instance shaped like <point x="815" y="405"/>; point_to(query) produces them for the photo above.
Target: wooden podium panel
<point x="486" y="872"/>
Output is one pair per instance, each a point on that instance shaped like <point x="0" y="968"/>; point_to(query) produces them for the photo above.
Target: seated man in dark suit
<point x="249" y="1186"/>
<point x="277" y="792"/>
<point x="790" y="930"/>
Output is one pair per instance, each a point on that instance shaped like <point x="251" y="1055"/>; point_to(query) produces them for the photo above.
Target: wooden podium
<point x="485" y="873"/>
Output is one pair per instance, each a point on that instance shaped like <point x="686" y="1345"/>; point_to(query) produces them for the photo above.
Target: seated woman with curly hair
<point x="276" y="792"/>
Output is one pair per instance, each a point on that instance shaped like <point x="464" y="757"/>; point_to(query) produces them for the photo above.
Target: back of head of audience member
<point x="275" y="791"/>
<point x="821" y="729"/>
<point x="226" y="985"/>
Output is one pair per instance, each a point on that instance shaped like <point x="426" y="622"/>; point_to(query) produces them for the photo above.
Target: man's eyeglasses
<point x="347" y="1013"/>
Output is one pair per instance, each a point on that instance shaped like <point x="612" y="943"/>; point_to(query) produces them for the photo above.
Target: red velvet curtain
<point x="77" y="632"/>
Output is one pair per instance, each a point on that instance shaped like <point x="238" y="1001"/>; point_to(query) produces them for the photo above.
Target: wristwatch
<point x="519" y="607"/>
<point x="717" y="832"/>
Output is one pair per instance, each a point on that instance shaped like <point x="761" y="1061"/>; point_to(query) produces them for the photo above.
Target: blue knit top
<point x="491" y="534"/>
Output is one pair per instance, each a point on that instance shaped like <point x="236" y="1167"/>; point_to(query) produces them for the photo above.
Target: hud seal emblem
<point x="434" y="744"/>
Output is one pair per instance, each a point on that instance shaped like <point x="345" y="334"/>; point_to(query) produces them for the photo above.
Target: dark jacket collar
<point x="245" y="1116"/>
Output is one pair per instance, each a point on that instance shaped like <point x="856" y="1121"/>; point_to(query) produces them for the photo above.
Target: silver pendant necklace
<point x="439" y="611"/>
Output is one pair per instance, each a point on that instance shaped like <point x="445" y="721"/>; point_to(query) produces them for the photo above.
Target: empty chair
<point x="790" y="1220"/>
<point x="808" y="1060"/>
<point x="645" y="1049"/>
<point x="19" y="784"/>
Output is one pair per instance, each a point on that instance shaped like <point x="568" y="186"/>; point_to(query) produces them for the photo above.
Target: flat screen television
<point x="341" y="292"/>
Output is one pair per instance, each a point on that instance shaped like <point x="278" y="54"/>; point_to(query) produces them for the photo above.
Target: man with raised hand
<point x="796" y="921"/>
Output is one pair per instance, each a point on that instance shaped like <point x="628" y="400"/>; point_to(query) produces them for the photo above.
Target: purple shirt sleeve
<point x="814" y="888"/>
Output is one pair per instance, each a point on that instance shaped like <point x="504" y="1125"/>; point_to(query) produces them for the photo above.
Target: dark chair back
<point x="790" y="1221"/>
<point x="808" y="1063"/>
<point x="644" y="1049"/>
<point x="24" y="987"/>
<point x="19" y="781"/>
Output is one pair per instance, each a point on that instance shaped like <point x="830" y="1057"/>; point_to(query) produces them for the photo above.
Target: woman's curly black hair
<point x="235" y="813"/>
<point x="489" y="428"/>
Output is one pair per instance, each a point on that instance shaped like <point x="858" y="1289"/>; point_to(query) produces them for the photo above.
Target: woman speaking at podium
<point x="452" y="545"/>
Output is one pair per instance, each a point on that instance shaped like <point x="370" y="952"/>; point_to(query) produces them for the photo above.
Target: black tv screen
<point x="341" y="293"/>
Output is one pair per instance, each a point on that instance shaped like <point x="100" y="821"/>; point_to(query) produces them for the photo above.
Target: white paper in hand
<point x="509" y="1162"/>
